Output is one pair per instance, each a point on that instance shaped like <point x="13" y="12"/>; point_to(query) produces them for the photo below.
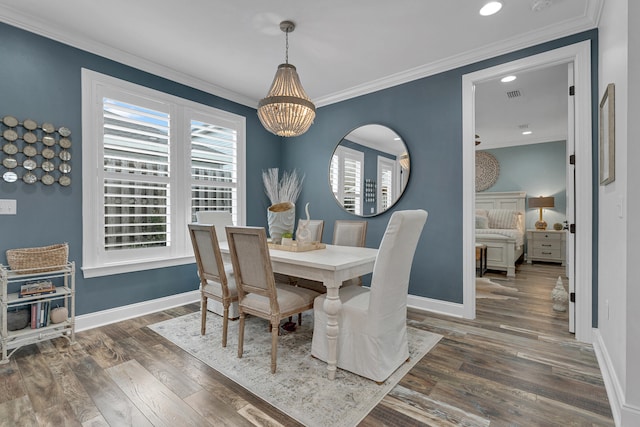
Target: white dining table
<point x="331" y="266"/>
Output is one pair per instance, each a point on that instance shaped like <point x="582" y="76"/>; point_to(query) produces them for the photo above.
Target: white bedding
<point x="512" y="233"/>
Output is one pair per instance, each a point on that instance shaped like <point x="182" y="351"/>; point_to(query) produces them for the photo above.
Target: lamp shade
<point x="286" y="110"/>
<point x="541" y="202"/>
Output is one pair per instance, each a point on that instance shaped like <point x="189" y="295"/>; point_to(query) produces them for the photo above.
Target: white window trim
<point x="180" y="253"/>
<point x="348" y="153"/>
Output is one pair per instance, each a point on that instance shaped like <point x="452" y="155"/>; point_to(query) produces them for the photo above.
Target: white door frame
<point x="580" y="55"/>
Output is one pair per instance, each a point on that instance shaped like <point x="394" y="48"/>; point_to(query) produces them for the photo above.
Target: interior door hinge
<point x="572" y="159"/>
<point x="572" y="90"/>
<point x="572" y="228"/>
<point x="572" y="297"/>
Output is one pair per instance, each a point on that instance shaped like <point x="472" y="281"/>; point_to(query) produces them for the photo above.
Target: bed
<point x="500" y="225"/>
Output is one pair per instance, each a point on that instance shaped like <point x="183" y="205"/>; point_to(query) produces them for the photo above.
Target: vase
<point x="281" y="218"/>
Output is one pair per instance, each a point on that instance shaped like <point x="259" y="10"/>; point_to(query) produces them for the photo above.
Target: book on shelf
<point x="41" y="287"/>
<point x="40" y="314"/>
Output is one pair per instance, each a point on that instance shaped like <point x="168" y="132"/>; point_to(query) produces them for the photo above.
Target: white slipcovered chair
<point x="350" y="233"/>
<point x="216" y="280"/>
<point x="258" y="293"/>
<point x="372" y="340"/>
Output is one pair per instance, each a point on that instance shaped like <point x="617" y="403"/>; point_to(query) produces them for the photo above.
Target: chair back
<point x="350" y="233"/>
<point x="220" y="219"/>
<point x="390" y="280"/>
<point x="208" y="256"/>
<point x="251" y="263"/>
<point x="315" y="227"/>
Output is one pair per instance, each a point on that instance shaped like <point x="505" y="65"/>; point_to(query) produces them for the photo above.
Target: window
<point x="386" y="183"/>
<point x="150" y="161"/>
<point x="346" y="176"/>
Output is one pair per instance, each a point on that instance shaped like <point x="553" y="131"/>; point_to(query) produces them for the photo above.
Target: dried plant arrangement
<point x="287" y="189"/>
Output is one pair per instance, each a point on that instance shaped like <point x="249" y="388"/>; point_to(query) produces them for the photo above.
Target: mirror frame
<point x="401" y="169"/>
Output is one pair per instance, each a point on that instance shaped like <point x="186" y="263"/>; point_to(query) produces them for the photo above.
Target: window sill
<point x="130" y="267"/>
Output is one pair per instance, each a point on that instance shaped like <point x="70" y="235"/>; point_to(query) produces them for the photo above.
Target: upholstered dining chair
<point x="220" y="219"/>
<point x="372" y="339"/>
<point x="216" y="280"/>
<point x="350" y="233"/>
<point x="258" y="293"/>
<point x="315" y="227"/>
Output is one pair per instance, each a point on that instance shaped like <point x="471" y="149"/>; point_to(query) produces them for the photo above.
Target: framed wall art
<point x="608" y="136"/>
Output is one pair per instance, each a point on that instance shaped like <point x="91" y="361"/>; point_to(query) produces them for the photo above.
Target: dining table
<point x="330" y="265"/>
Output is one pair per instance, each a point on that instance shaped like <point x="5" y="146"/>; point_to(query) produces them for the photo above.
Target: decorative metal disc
<point x="48" y="140"/>
<point x="29" y="151"/>
<point x="487" y="170"/>
<point x="47" y="179"/>
<point x="10" y="149"/>
<point x="30" y="137"/>
<point x="10" y="176"/>
<point x="64" y="181"/>
<point x="48" y="166"/>
<point x="10" y="121"/>
<point x="48" y="128"/>
<point x="65" y="143"/>
<point x="30" y="178"/>
<point x="48" y="153"/>
<point x="10" y="135"/>
<point x="64" y="131"/>
<point x="30" y="124"/>
<point x="29" y="164"/>
<point x="9" y="162"/>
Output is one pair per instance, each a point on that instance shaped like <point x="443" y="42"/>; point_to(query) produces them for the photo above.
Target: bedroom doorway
<point x="577" y="57"/>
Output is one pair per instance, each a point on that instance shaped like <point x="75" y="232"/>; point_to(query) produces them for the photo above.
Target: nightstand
<point x="546" y="245"/>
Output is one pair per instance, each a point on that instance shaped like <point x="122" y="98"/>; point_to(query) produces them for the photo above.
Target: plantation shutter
<point x="136" y="176"/>
<point x="214" y="169"/>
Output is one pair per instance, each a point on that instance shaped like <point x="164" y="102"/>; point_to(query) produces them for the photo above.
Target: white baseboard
<point x="623" y="414"/>
<point x="106" y="317"/>
<point x="436" y="306"/>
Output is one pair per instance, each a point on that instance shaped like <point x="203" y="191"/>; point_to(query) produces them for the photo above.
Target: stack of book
<point x="40" y="287"/>
<point x="39" y="314"/>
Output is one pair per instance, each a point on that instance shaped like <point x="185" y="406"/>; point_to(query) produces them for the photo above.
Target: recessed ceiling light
<point x="490" y="8"/>
<point x="527" y="132"/>
<point x="508" y="79"/>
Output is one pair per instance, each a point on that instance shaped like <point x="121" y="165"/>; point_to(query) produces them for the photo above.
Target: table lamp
<point x="540" y="203"/>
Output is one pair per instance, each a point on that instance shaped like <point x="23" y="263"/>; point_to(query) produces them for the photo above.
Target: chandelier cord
<point x="286" y="55"/>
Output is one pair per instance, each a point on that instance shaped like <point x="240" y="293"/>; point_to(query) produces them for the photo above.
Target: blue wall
<point x="539" y="170"/>
<point x="40" y="79"/>
<point x="427" y="115"/>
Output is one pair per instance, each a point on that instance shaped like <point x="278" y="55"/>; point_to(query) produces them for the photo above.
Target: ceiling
<point x="341" y="48"/>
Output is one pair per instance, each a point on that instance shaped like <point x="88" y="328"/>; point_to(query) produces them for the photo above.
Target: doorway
<point x="579" y="57"/>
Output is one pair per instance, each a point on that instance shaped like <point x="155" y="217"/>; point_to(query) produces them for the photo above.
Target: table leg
<point x="332" y="306"/>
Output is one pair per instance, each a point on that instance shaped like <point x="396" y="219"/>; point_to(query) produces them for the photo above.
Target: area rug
<point x="300" y="387"/>
<point x="485" y="288"/>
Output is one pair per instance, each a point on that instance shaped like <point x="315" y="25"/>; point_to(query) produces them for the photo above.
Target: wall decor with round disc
<point x="487" y="170"/>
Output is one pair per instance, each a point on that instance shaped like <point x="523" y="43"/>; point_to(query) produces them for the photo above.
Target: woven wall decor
<point x="487" y="170"/>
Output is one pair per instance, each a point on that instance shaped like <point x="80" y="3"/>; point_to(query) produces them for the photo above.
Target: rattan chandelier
<point x="286" y="110"/>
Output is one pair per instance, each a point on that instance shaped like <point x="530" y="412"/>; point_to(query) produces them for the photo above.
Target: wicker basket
<point x="38" y="260"/>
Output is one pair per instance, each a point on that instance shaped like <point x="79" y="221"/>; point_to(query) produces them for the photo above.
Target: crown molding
<point x="12" y="17"/>
<point x="588" y="21"/>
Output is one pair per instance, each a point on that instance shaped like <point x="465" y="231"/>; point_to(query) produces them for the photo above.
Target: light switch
<point x="8" y="207"/>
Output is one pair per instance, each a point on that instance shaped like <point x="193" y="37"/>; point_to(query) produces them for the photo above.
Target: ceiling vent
<point x="524" y="126"/>
<point x="514" y="94"/>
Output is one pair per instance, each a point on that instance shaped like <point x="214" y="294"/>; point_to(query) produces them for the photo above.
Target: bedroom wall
<point x="539" y="170"/>
<point x="40" y="79"/>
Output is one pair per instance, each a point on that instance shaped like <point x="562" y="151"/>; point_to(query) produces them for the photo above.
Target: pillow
<point x="503" y="218"/>
<point x="482" y="221"/>
<point x="482" y="212"/>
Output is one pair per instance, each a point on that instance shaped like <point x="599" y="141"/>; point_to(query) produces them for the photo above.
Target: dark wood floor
<point x="515" y="365"/>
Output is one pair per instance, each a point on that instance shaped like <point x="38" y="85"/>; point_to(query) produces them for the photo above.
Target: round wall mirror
<point x="369" y="170"/>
